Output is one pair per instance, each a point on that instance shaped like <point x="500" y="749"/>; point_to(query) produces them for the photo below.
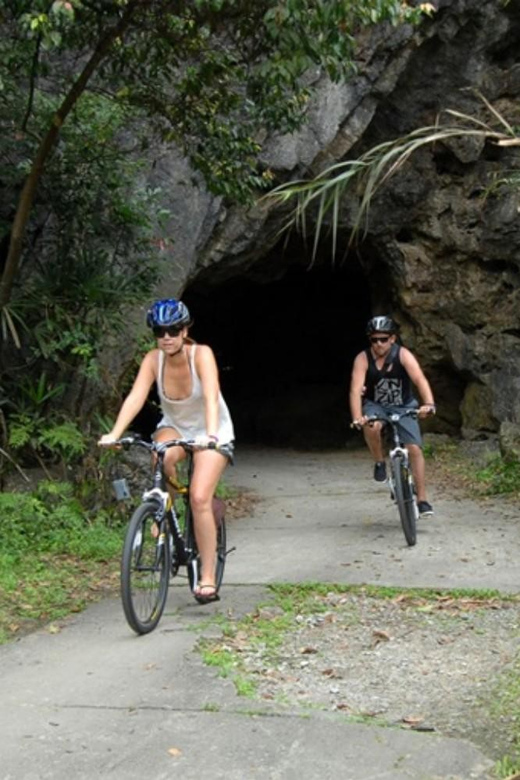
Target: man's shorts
<point x="408" y="427"/>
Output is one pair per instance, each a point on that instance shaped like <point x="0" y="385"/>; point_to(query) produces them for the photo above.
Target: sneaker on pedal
<point x="380" y="471"/>
<point x="424" y="508"/>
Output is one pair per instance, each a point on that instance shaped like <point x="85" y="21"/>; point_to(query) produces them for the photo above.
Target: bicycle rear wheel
<point x="145" y="570"/>
<point x="405" y="499"/>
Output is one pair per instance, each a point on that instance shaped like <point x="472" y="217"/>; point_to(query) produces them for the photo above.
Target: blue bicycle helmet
<point x="168" y="312"/>
<point x="382" y="324"/>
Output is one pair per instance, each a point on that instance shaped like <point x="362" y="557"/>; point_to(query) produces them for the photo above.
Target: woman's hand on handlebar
<point x="108" y="440"/>
<point x="206" y="442"/>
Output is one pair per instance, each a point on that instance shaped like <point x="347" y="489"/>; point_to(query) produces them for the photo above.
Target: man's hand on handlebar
<point x="425" y="410"/>
<point x="359" y="422"/>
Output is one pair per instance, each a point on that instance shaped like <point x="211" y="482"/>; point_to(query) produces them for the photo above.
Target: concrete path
<point x="93" y="700"/>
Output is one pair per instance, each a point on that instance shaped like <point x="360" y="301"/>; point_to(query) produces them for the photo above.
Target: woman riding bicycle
<point x="192" y="405"/>
<point x="382" y="378"/>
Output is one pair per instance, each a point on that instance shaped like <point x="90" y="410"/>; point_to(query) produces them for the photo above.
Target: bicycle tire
<point x="405" y="500"/>
<point x="220" y="560"/>
<point x="145" y="571"/>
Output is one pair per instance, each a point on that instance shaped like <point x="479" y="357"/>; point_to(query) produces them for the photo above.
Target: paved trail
<point x="94" y="700"/>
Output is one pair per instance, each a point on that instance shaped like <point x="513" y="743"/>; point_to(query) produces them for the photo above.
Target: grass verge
<point x="56" y="557"/>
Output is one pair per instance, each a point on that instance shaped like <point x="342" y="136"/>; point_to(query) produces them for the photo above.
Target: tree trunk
<point x="27" y="195"/>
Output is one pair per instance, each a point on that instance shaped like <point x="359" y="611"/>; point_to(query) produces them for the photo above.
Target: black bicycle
<point x="160" y="539"/>
<point x="401" y="482"/>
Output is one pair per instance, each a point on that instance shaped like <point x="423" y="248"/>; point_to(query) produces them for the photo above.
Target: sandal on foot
<point x="205" y="593"/>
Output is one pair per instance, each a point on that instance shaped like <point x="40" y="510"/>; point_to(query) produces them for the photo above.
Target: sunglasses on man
<point x="381" y="339"/>
<point x="170" y="330"/>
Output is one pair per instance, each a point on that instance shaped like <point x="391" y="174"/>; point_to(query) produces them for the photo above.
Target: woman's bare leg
<point x="208" y="468"/>
<point x="172" y="456"/>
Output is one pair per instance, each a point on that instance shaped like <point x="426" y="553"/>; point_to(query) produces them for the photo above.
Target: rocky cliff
<point x="442" y="247"/>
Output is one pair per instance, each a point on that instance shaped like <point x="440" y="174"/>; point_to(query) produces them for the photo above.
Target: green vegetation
<point x="55" y="557"/>
<point x="507" y="769"/>
<point x="500" y="476"/>
<point x="497" y="477"/>
<point x="306" y="597"/>
<point x="505" y="708"/>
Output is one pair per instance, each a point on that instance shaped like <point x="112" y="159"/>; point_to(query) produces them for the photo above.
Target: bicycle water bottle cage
<point x="160" y="496"/>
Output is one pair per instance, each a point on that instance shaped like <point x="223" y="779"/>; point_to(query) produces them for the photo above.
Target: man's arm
<point x="357" y="383"/>
<point x="416" y="374"/>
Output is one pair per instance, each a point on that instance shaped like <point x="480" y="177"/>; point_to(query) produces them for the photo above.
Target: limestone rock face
<point x="442" y="247"/>
<point x="509" y="439"/>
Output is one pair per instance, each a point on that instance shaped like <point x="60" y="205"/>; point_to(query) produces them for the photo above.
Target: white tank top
<point x="188" y="415"/>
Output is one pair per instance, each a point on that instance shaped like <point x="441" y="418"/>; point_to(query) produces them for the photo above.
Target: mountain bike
<point x="401" y="483"/>
<point x="160" y="539"/>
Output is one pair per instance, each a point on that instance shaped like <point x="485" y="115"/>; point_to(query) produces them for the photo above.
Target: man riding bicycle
<point x="381" y="383"/>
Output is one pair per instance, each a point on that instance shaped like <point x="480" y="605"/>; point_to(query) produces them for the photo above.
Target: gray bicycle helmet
<point x="168" y="312"/>
<point x="382" y="324"/>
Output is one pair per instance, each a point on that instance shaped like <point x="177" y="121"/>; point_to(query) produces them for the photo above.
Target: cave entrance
<point x="285" y="332"/>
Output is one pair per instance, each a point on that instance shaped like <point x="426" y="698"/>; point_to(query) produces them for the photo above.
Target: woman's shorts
<point x="228" y="450"/>
<point x="408" y="427"/>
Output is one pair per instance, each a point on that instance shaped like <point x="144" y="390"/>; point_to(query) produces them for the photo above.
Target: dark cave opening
<point x="285" y="332"/>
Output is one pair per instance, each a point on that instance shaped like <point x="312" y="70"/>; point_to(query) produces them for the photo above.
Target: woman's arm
<point x="207" y="369"/>
<point x="136" y="398"/>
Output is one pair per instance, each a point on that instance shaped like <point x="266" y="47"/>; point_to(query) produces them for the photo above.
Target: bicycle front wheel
<point x="145" y="570"/>
<point x="405" y="499"/>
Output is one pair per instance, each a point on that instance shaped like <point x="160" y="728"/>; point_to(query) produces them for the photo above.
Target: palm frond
<point x="8" y="326"/>
<point x="374" y="168"/>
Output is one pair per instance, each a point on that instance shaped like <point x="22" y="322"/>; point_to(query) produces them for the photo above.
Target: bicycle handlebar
<point x="189" y="445"/>
<point x="391" y="417"/>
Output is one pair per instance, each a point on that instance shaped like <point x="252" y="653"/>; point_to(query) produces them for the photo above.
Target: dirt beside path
<point x="440" y="663"/>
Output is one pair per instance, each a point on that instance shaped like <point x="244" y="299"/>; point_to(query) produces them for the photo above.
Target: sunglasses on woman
<point x="170" y="330"/>
<point x="382" y="339"/>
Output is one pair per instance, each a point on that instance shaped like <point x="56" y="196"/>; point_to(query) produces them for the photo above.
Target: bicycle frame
<point x="184" y="546"/>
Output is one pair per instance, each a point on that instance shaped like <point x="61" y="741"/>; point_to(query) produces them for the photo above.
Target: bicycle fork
<point x="396" y="455"/>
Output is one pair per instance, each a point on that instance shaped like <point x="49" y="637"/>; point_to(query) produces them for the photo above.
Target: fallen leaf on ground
<point x="413" y="720"/>
<point x="175" y="752"/>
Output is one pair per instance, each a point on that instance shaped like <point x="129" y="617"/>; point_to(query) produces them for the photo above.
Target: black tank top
<point x="390" y="385"/>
